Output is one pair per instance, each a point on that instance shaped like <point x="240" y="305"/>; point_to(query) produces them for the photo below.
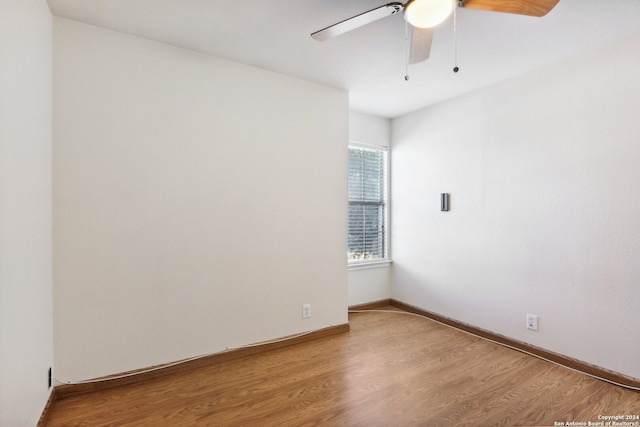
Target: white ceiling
<point x="368" y="62"/>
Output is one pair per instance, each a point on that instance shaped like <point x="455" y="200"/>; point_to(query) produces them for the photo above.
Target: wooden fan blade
<point x="357" y="21"/>
<point x="519" y="7"/>
<point x="420" y="44"/>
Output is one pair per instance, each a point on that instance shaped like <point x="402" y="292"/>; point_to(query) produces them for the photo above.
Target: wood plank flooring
<point x="389" y="370"/>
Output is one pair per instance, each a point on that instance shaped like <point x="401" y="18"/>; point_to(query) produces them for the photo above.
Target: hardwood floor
<point x="389" y="370"/>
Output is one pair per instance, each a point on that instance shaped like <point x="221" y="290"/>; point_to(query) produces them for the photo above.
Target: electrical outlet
<point x="306" y="311"/>
<point x="532" y="322"/>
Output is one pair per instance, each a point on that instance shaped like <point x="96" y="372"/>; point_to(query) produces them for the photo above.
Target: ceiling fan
<point x="423" y="15"/>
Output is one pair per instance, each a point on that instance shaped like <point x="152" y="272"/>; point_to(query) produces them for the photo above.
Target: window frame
<point x="386" y="259"/>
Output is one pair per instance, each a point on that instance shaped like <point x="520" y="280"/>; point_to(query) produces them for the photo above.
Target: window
<point x="367" y="204"/>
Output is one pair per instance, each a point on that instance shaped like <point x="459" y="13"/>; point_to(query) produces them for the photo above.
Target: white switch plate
<point x="306" y="311"/>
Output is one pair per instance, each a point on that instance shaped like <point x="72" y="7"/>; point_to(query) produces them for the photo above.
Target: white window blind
<point x="367" y="204"/>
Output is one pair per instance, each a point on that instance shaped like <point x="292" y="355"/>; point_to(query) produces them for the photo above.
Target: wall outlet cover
<point x="532" y="322"/>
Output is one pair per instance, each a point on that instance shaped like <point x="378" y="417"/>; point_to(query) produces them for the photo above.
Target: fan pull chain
<point x="456" y="4"/>
<point x="406" y="50"/>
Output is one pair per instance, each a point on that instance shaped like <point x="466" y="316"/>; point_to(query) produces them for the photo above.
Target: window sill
<point x="382" y="263"/>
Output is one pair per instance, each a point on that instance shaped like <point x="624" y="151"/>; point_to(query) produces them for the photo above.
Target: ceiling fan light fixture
<point x="427" y="13"/>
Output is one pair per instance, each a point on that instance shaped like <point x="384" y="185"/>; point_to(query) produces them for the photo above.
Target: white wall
<point x="198" y="203"/>
<point x="369" y="129"/>
<point x="371" y="283"/>
<point x="25" y="210"/>
<point x="545" y="200"/>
